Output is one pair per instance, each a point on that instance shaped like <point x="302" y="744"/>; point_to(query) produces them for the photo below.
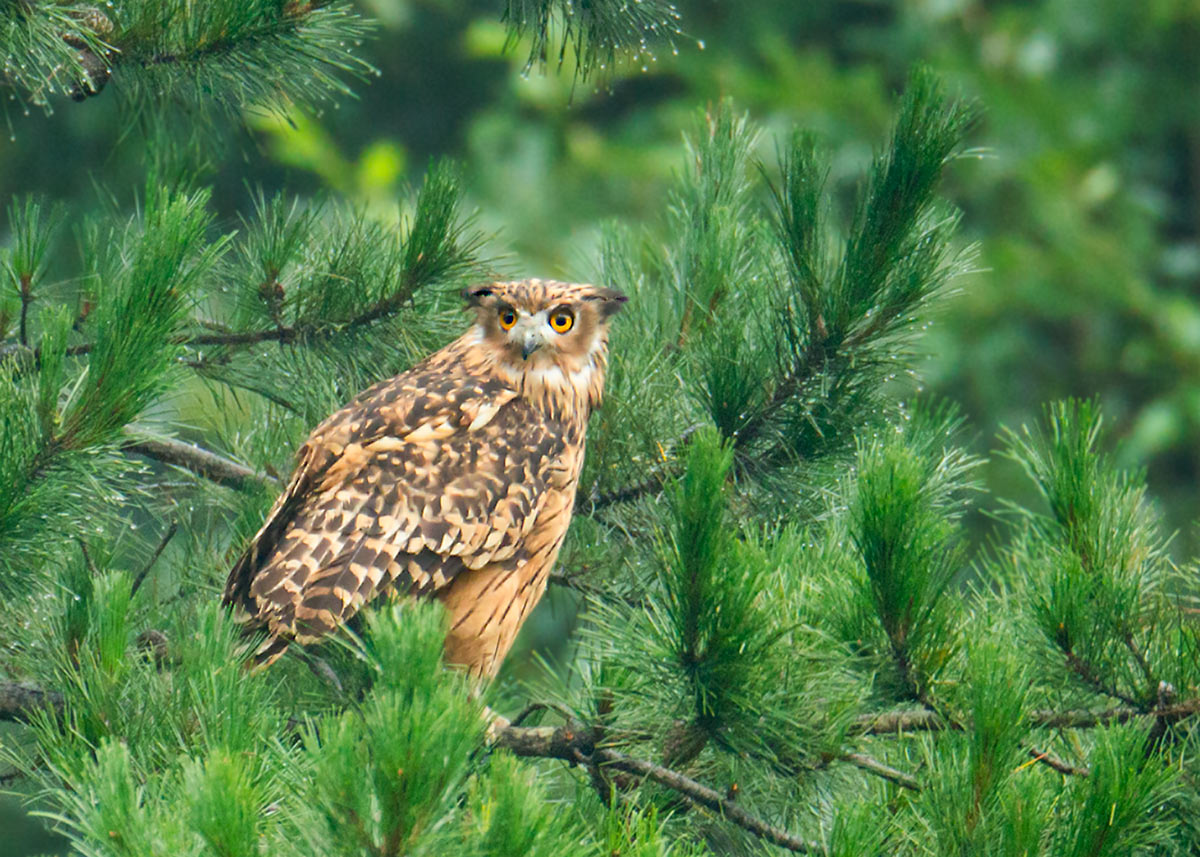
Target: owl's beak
<point x="532" y="343"/>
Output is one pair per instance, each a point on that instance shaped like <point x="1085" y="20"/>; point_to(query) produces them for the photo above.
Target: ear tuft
<point x="611" y="301"/>
<point x="474" y="297"/>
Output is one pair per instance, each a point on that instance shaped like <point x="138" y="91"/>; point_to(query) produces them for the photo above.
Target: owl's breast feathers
<point x="440" y="478"/>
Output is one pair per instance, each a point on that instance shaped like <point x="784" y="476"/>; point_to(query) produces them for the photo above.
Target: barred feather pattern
<point x="454" y="480"/>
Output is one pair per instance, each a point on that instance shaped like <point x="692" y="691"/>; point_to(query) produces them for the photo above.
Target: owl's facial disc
<point x="541" y="326"/>
<point x="531" y="332"/>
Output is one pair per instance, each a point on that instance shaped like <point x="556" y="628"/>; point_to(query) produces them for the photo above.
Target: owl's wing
<point x="404" y="488"/>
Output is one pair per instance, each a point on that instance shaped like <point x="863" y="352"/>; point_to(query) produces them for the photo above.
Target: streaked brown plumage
<point x="454" y="480"/>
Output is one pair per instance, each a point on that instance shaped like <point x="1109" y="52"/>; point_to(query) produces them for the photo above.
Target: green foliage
<point x="381" y="777"/>
<point x="1114" y="811"/>
<point x="141" y="298"/>
<point x="776" y="539"/>
<point x="638" y="833"/>
<point x="218" y="770"/>
<point x="1100" y="582"/>
<point x="314" y="271"/>
<point x="225" y="804"/>
<point x="787" y="374"/>
<point x="709" y="623"/>
<point x="903" y="525"/>
<point x="264" y="54"/>
<point x="850" y="315"/>
<point x="968" y="804"/>
<point x="38" y="61"/>
<point x="510" y="816"/>
<point x="896" y="254"/>
<point x="25" y="264"/>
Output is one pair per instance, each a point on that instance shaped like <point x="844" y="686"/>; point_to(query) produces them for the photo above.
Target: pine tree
<point x="785" y="643"/>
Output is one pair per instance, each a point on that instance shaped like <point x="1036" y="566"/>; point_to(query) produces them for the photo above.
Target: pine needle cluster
<point x="594" y="34"/>
<point x="234" y="54"/>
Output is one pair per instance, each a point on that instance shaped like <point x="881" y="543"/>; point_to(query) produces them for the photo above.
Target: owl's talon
<point x="497" y="723"/>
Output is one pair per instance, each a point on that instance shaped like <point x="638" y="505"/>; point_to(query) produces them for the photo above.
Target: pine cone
<point x="95" y="76"/>
<point x="95" y="68"/>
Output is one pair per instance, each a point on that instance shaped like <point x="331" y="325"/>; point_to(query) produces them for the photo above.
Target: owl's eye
<point x="507" y="319"/>
<point x="561" y="320"/>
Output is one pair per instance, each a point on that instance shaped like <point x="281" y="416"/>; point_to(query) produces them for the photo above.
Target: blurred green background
<point x="1084" y="200"/>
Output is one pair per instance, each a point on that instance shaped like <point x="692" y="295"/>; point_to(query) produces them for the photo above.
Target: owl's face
<point x="538" y="323"/>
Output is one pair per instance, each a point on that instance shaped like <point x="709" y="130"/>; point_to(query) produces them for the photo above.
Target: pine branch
<point x="1057" y="764"/>
<point x="199" y="461"/>
<point x="899" y="722"/>
<point x="285" y="334"/>
<point x="140" y="578"/>
<point x="577" y="747"/>
<point x="847" y="324"/>
<point x="232" y="53"/>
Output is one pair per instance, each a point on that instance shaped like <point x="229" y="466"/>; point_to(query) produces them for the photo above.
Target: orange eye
<point x="507" y="319"/>
<point x="561" y="321"/>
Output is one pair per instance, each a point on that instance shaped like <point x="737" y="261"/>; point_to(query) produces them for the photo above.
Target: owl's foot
<point x="496" y="723"/>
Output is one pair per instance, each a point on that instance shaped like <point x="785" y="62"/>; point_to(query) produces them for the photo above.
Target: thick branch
<point x="892" y="722"/>
<point x="19" y="699"/>
<point x="199" y="461"/>
<point x="578" y="748"/>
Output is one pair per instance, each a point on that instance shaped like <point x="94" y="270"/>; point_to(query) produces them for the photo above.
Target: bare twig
<point x="250" y="337"/>
<point x="1089" y="677"/>
<point x="893" y="722"/>
<point x="655" y="481"/>
<point x="652" y="484"/>
<point x="1052" y="761"/>
<point x="162" y="545"/>
<point x="571" y="580"/>
<point x="87" y="558"/>
<point x="874" y="766"/>
<point x="199" y="461"/>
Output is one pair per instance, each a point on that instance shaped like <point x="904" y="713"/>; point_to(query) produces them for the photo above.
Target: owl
<point x="454" y="480"/>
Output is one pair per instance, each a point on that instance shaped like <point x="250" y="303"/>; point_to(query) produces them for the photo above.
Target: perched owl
<point x="454" y="480"/>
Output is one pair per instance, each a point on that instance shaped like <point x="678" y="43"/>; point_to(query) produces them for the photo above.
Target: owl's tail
<point x="271" y="650"/>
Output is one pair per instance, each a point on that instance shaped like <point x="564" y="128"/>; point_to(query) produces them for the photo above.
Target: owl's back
<point x="442" y="481"/>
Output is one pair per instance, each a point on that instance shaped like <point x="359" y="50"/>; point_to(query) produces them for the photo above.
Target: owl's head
<point x="543" y="323"/>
